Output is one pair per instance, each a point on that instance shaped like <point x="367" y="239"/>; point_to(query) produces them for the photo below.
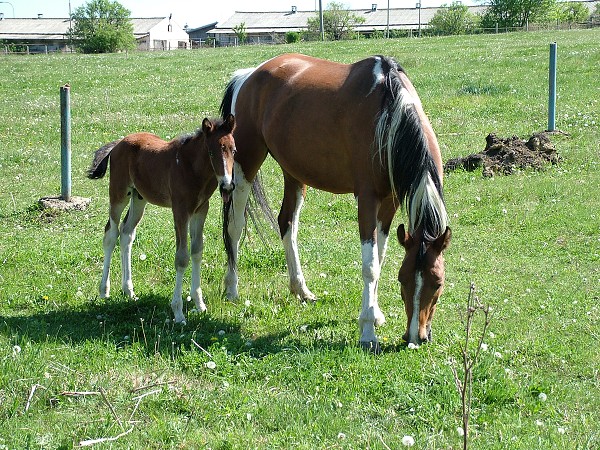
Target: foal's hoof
<point x="371" y="347"/>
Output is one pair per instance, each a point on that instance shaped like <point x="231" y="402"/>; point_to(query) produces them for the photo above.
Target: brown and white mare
<point x="181" y="174"/>
<point x="345" y="128"/>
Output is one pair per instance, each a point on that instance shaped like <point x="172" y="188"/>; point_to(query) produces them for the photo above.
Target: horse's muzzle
<point x="226" y="189"/>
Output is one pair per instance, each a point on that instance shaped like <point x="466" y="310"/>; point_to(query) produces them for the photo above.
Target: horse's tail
<point x="100" y="162"/>
<point x="401" y="140"/>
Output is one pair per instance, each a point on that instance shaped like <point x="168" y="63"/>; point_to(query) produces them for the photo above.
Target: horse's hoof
<point x="371" y="347"/>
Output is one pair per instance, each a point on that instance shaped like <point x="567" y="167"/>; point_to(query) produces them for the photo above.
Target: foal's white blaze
<point x="413" y="330"/>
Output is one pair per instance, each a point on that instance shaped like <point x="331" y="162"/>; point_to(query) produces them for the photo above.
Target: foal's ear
<point x="230" y="123"/>
<point x="207" y="126"/>
<point x="443" y="241"/>
<point x="404" y="238"/>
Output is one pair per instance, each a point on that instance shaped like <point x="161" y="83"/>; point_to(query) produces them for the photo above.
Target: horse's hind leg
<point x="109" y="241"/>
<point x="197" y="245"/>
<point x="289" y="219"/>
<point x="127" y="236"/>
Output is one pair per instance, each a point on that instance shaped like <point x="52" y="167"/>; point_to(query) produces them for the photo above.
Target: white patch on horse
<point x="378" y="75"/>
<point x="413" y="330"/>
<point x="427" y="194"/>
<point x="370" y="315"/>
<point x="241" y="76"/>
<point x="290" y="244"/>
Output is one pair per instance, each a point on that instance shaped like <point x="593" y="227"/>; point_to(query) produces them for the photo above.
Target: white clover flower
<point x="211" y="365"/>
<point x="221" y="332"/>
<point x="16" y="350"/>
<point x="539" y="423"/>
<point x="561" y="430"/>
<point x="412" y="346"/>
<point x="484" y="347"/>
<point x="408" y="441"/>
<point x="542" y="397"/>
<point x="247" y="303"/>
<point x="341" y="436"/>
<point x="323" y="275"/>
<point x="498" y="355"/>
<point x="460" y="431"/>
<point x="143" y="257"/>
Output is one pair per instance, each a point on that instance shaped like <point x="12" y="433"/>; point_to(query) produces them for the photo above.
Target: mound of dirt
<point x="507" y="155"/>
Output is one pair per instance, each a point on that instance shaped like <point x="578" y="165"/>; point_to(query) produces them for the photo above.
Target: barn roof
<point x="56" y="28"/>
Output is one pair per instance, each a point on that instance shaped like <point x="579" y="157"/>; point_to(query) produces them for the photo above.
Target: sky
<point x="196" y="13"/>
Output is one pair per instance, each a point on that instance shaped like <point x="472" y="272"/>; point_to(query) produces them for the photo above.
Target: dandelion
<point x="539" y="423"/>
<point x="221" y="332"/>
<point x="561" y="430"/>
<point x="412" y="346"/>
<point x="498" y="355"/>
<point x="542" y="397"/>
<point x="460" y="431"/>
<point x="484" y="347"/>
<point x="408" y="441"/>
<point x="247" y="303"/>
<point x="323" y="275"/>
<point x="504" y="211"/>
<point x="16" y="350"/>
<point x="341" y="436"/>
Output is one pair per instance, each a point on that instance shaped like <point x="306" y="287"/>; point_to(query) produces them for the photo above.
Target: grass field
<point x="272" y="373"/>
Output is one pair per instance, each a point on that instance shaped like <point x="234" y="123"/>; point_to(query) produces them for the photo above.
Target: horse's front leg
<point x="197" y="245"/>
<point x="289" y="219"/>
<point x="127" y="236"/>
<point x="370" y="315"/>
<point x="234" y="223"/>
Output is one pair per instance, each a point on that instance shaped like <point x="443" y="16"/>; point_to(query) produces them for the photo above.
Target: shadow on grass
<point x="146" y="322"/>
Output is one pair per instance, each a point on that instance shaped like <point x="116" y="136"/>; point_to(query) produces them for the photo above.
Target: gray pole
<point x="321" y="20"/>
<point x="65" y="142"/>
<point x="552" y="89"/>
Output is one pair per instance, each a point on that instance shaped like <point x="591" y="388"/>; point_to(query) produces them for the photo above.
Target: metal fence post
<point x="65" y="142"/>
<point x="552" y="89"/>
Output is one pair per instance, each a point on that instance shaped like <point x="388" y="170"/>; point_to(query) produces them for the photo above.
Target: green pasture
<point x="267" y="371"/>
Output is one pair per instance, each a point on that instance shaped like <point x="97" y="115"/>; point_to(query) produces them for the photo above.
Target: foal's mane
<point x="186" y="138"/>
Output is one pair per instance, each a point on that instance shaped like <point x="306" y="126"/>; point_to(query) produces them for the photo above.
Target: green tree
<point x="338" y="23"/>
<point x="240" y="32"/>
<point x="572" y="12"/>
<point x="453" y="19"/>
<point x="515" y="13"/>
<point x="102" y="26"/>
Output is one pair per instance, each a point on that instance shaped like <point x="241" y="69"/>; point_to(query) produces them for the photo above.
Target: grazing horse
<point x="179" y="174"/>
<point x="344" y="128"/>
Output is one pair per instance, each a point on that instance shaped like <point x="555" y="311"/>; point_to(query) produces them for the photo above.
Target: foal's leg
<point x="109" y="241"/>
<point x="289" y="218"/>
<point x="237" y="222"/>
<point x="370" y="315"/>
<point x="132" y="218"/>
<point x="197" y="245"/>
<point x="182" y="258"/>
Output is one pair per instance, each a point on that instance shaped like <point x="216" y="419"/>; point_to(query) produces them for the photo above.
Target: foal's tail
<point x="402" y="141"/>
<point x="100" y="162"/>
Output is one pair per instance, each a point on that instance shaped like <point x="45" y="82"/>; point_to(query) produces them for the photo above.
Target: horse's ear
<point x="207" y="126"/>
<point x="443" y="241"/>
<point x="404" y="238"/>
<point x="230" y="123"/>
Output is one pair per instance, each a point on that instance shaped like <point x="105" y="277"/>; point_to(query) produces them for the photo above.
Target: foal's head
<point x="221" y="149"/>
<point x="421" y="278"/>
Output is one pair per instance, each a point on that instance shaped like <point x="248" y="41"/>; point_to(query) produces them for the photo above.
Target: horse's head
<point x="221" y="149"/>
<point x="421" y="278"/>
